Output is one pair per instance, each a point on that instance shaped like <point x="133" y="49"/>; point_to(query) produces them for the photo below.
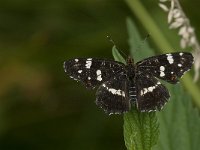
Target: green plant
<point x="177" y="120"/>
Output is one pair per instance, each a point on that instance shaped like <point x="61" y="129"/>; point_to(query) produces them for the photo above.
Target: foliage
<point x="179" y="123"/>
<point x="117" y="55"/>
<point x="140" y="129"/>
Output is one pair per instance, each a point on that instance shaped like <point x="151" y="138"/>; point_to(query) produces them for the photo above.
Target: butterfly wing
<point x="168" y="67"/>
<point x="91" y="71"/>
<point x="151" y="94"/>
<point x="112" y="96"/>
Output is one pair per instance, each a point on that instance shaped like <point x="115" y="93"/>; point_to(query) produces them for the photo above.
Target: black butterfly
<point x="122" y="85"/>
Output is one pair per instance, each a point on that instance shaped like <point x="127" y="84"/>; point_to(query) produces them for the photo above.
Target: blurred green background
<point x="40" y="107"/>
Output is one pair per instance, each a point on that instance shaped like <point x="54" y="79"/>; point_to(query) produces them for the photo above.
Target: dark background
<point x="40" y="107"/>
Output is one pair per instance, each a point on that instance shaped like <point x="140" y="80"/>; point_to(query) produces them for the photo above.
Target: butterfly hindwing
<point x="112" y="96"/>
<point x="91" y="71"/>
<point x="151" y="94"/>
<point x="168" y="67"/>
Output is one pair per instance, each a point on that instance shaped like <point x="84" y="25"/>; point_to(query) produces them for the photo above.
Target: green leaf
<point x="140" y="129"/>
<point x="117" y="55"/>
<point x="179" y="123"/>
<point x="139" y="47"/>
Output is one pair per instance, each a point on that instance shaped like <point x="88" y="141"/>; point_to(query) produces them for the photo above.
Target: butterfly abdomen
<point x="132" y="92"/>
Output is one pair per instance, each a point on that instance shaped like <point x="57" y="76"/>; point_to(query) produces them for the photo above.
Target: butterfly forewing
<point x="168" y="67"/>
<point x="112" y="96"/>
<point x="151" y="94"/>
<point x="91" y="71"/>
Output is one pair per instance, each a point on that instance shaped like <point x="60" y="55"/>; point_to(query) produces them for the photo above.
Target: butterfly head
<point x="130" y="60"/>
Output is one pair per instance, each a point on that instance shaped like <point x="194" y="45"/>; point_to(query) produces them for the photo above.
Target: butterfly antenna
<point x="111" y="40"/>
<point x="142" y="43"/>
<point x="147" y="36"/>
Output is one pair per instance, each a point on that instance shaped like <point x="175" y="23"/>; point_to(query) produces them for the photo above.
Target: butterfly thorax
<point x="130" y="68"/>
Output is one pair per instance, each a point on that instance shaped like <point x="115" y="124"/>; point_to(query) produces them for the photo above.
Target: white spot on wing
<point x="117" y="92"/>
<point x="170" y="58"/>
<point x="114" y="91"/>
<point x="98" y="72"/>
<point x="88" y="63"/>
<point x="162" y="74"/>
<point x="141" y="92"/>
<point x="73" y="78"/>
<point x="80" y="71"/>
<point x="162" y="68"/>
<point x="158" y="83"/>
<point x="149" y="89"/>
<point x="180" y="54"/>
<point x="99" y="78"/>
<point x="65" y="69"/>
<point x="145" y="91"/>
<point x="76" y="60"/>
<point x="89" y="78"/>
<point x="180" y="65"/>
<point x="64" y="64"/>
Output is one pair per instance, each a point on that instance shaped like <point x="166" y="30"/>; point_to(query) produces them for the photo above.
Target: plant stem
<point x="149" y="24"/>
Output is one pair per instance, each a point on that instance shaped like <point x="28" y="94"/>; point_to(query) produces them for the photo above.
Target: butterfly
<point x="122" y="85"/>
